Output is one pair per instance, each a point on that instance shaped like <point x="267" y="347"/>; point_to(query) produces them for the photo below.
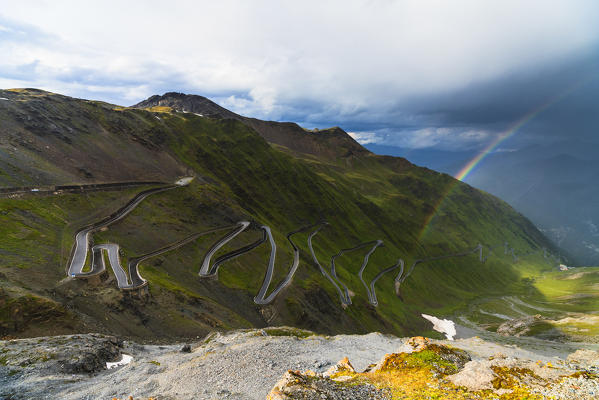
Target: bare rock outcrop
<point x="342" y="381"/>
<point x="342" y="366"/>
<point x="519" y="326"/>
<point x="73" y="354"/>
<point x="434" y="370"/>
<point x="310" y="386"/>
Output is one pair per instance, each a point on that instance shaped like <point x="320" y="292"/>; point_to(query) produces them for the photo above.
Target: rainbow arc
<point x="491" y="147"/>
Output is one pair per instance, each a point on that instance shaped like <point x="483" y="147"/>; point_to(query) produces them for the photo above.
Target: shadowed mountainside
<point x="554" y="186"/>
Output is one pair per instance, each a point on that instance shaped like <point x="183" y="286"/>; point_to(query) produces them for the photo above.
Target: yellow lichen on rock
<point x="418" y="342"/>
<point x="435" y="371"/>
<point x="342" y="366"/>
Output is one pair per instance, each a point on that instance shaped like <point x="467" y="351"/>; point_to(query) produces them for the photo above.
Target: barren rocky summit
<point x="288" y="363"/>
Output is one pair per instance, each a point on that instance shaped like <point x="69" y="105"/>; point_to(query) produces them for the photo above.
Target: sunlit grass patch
<point x="160" y="109"/>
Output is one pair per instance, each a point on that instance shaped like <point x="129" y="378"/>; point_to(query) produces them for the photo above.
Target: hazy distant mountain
<point x="440" y="160"/>
<point x="555" y="186"/>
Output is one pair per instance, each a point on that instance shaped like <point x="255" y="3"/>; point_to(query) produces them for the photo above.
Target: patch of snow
<point x="444" y="326"/>
<point x="184" y="181"/>
<point x="124" y="361"/>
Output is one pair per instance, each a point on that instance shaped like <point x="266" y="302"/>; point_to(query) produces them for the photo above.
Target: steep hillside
<point x="267" y="173"/>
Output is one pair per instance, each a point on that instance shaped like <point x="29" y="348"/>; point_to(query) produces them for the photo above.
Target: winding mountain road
<point x="372" y="295"/>
<point x="236" y="253"/>
<point x="137" y="280"/>
<point x="322" y="270"/>
<point x="115" y="262"/>
<point x="261" y="297"/>
<point x="490" y="251"/>
<point x="374" y="244"/>
<point x="206" y="270"/>
<point x="134" y="280"/>
<point x="82" y="239"/>
<point x="361" y="271"/>
<point x="400" y="279"/>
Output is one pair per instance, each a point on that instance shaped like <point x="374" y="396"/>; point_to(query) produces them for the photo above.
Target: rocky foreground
<point x="287" y="363"/>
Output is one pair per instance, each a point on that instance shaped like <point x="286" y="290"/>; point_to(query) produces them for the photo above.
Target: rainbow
<point x="490" y="148"/>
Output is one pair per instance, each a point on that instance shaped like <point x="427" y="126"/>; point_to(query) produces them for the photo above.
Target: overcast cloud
<point x="419" y="74"/>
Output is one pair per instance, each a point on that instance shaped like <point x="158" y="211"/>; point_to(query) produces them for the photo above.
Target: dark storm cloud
<point x="560" y="99"/>
<point x="412" y="73"/>
<point x="566" y="87"/>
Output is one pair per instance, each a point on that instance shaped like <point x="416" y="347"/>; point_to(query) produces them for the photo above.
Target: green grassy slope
<point x="240" y="175"/>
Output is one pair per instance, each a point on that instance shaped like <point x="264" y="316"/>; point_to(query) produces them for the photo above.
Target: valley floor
<point x="561" y="306"/>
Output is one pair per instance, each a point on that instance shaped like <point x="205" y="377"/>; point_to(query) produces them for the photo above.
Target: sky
<point x="446" y="75"/>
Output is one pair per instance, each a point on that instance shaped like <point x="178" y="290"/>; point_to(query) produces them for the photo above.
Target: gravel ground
<point x="237" y="365"/>
<point x="573" y="388"/>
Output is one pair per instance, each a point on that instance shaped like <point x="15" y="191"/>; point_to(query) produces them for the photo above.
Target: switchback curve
<point x="375" y="244"/>
<point x="135" y="280"/>
<point x="81" y="246"/>
<point x="261" y="297"/>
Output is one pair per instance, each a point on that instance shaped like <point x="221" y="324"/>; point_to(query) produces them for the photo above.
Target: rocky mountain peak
<point x="327" y="143"/>
<point x="188" y="103"/>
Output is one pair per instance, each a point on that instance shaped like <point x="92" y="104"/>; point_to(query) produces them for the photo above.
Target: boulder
<point x="186" y="349"/>
<point x="519" y="326"/>
<point x="93" y="356"/>
<point x="418" y="342"/>
<point x="342" y="366"/>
